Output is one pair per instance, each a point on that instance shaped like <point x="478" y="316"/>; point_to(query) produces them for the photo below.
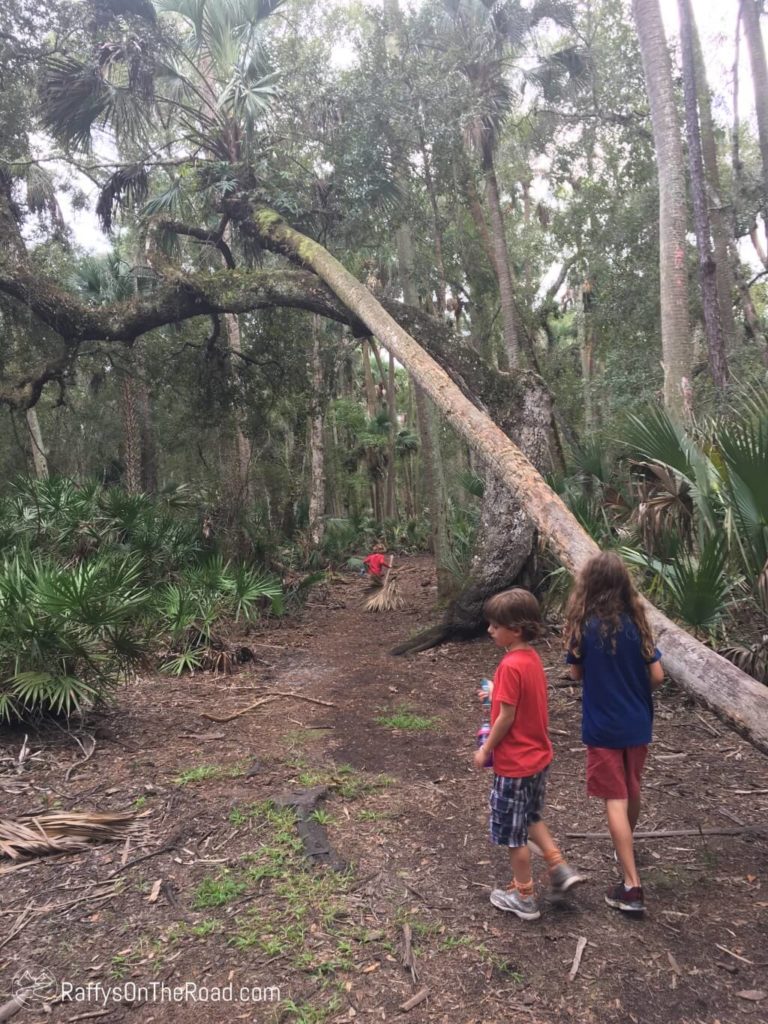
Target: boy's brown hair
<point x="515" y="609"/>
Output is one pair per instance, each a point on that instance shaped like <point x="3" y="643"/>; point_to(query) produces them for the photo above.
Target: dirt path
<point x="237" y="904"/>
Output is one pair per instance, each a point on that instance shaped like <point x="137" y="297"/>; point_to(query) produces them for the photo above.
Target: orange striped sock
<point x="524" y="888"/>
<point x="553" y="858"/>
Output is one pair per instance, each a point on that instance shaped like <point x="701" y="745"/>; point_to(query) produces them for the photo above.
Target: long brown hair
<point x="604" y="590"/>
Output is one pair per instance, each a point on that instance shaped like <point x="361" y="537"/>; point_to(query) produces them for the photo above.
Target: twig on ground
<point x="710" y="728"/>
<point x="672" y="833"/>
<point x="734" y="955"/>
<point x="267" y="698"/>
<point x="580" y="947"/>
<point x="414" y="1000"/>
<point x="79" y="764"/>
<point x="172" y="844"/>
<point x="19" y="925"/>
<point x="407" y="959"/>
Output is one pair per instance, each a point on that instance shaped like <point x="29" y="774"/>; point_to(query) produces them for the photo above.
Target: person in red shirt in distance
<point x="522" y="752"/>
<point x="374" y="564"/>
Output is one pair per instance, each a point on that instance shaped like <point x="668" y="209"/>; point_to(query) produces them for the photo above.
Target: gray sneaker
<point x="563" y="878"/>
<point x="525" y="907"/>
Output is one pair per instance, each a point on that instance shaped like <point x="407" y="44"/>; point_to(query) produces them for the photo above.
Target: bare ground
<point x="238" y="904"/>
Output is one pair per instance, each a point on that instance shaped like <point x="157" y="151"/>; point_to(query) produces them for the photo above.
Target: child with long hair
<point x="611" y="649"/>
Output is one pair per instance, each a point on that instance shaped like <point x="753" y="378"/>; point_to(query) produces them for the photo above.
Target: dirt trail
<point x="406" y="811"/>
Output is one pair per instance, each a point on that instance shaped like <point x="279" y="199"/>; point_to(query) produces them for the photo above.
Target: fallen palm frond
<point x="68" y="832"/>
<point x="388" y="598"/>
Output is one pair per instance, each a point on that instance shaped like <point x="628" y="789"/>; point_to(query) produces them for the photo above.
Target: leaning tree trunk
<point x="718" y="363"/>
<point x="737" y="698"/>
<point x="677" y="350"/>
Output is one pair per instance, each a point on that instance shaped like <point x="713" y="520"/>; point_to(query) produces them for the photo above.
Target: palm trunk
<point x="718" y="364"/>
<point x="737" y="698"/>
<point x="721" y="236"/>
<point x="750" y="16"/>
<point x="317" y="442"/>
<point x="501" y="262"/>
<point x="39" y="453"/>
<point x="586" y="335"/>
<point x="677" y="355"/>
<point x="146" y="431"/>
<point x="131" y="434"/>
<point x="439" y="263"/>
<point x="391" y="497"/>
<point x="370" y="394"/>
<point x="242" y="454"/>
<point x="429" y="434"/>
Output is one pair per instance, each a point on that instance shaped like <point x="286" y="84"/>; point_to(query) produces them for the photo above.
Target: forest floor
<point x="227" y="897"/>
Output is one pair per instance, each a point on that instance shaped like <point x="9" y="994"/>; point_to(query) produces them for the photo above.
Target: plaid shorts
<point x="515" y="804"/>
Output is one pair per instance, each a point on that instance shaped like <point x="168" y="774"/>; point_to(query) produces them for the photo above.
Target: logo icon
<point x="33" y="983"/>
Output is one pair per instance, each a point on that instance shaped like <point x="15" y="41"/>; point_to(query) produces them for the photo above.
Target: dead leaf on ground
<point x="754" y="995"/>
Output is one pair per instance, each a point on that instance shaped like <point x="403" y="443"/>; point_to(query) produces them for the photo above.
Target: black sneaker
<point x="628" y="900"/>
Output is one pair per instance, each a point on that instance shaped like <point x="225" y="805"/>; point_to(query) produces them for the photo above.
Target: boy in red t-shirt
<point x="522" y="753"/>
<point x="374" y="563"/>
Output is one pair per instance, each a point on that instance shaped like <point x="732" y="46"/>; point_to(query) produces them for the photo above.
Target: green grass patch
<point x="198" y="774"/>
<point x="207" y="771"/>
<point x="217" y="891"/>
<point x="403" y="718"/>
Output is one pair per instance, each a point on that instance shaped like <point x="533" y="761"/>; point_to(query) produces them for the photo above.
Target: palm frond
<point x="127" y="186"/>
<point x="698" y="588"/>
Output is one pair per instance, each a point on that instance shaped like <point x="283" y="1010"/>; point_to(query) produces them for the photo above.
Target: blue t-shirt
<point x="617" y="709"/>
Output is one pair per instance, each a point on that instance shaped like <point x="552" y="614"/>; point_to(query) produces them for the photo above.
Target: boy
<point x="374" y="563"/>
<point x="522" y="753"/>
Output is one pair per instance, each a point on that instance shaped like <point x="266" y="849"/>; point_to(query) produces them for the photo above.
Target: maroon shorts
<point x="615" y="774"/>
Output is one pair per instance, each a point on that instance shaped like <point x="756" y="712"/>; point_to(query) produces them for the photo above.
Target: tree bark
<point x="131" y="434"/>
<point x="677" y="352"/>
<point x="436" y="227"/>
<point x="724" y="244"/>
<point x="39" y="452"/>
<point x="737" y="698"/>
<point x="750" y="16"/>
<point x="429" y="436"/>
<point x="501" y="262"/>
<point x="718" y="363"/>
<point x="316" y="511"/>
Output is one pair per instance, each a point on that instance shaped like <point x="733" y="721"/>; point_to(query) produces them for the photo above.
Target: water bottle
<point x="485" y="686"/>
<point x="482" y="735"/>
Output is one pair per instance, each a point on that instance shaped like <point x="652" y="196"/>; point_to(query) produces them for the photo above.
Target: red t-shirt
<point x="526" y="748"/>
<point x="374" y="563"/>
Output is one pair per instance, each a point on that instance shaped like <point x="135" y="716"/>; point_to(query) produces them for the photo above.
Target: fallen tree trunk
<point x="735" y="697"/>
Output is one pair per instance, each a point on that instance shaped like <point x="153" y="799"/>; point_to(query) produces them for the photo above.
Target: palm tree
<point x="488" y="35"/>
<point x="104" y="280"/>
<point x="677" y="351"/>
<point x="750" y="16"/>
<point x="718" y="363"/>
<point x="208" y="90"/>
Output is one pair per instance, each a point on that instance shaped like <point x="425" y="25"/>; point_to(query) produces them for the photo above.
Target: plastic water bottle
<point x="485" y="686"/>
<point x="482" y="735"/>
